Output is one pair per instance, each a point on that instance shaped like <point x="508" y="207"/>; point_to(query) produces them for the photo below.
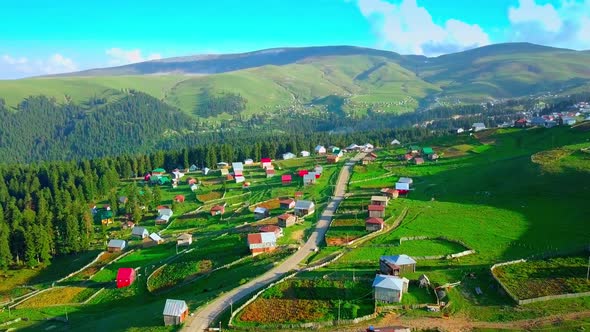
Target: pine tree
<point x="5" y="255"/>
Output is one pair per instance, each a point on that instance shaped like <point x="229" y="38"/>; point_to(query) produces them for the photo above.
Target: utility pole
<point x="588" y="273"/>
<point x="338" y="312"/>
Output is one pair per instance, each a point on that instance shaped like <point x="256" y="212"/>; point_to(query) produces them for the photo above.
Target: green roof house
<point x="427" y="150"/>
<point x="414" y="148"/>
<point x="104" y="216"/>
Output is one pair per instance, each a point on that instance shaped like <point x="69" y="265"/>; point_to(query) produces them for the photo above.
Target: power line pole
<point x="588" y="273"/>
<point x="338" y="312"/>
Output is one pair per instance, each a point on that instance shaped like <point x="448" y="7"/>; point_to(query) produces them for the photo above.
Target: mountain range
<point x="346" y="79"/>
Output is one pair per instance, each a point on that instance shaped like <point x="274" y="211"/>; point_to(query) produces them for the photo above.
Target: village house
<point x="304" y="208"/>
<point x="287" y="204"/>
<point x="191" y="181"/>
<point x="288" y="155"/>
<point x="177" y="174"/>
<point x="427" y="150"/>
<point x="568" y="121"/>
<point x="262" y="242"/>
<point x="376" y="211"/>
<point x="407" y="157"/>
<point x="175" y="312"/>
<point x="402" y="187"/>
<point x="229" y="177"/>
<point x="389" y="289"/>
<point x="127" y="224"/>
<point x="320" y="149"/>
<point x="352" y="147"/>
<point x="248" y="162"/>
<point x="184" y="239"/>
<point x="158" y="171"/>
<point x="373" y="224"/>
<point x="418" y="161"/>
<point x="286" y="179"/>
<point x="272" y="228"/>
<point x="414" y="149"/>
<point x="164" y="216"/>
<point x="318" y="169"/>
<point x="407" y="180"/>
<point x="390" y="193"/>
<point x="397" y="265"/>
<point x="261" y="213"/>
<point x="217" y="210"/>
<point x="194" y="187"/>
<point x="224" y="172"/>
<point x="240" y="179"/>
<point x="206" y="170"/>
<point x="193" y="168"/>
<point x="152" y="240"/>
<point x="139" y="232"/>
<point x="521" y="123"/>
<point x="305" y="153"/>
<point x="309" y="178"/>
<point x="478" y="126"/>
<point x="238" y="168"/>
<point x="116" y="245"/>
<point x="270" y="172"/>
<point x="125" y="277"/>
<point x="179" y="198"/>
<point x="266" y="163"/>
<point x="104" y="216"/>
<point x="298" y="194"/>
<point x="222" y="165"/>
<point x="379" y="200"/>
<point x="367" y="147"/>
<point x="433" y="157"/>
<point x="332" y="159"/>
<point x="286" y="220"/>
<point x="395" y="142"/>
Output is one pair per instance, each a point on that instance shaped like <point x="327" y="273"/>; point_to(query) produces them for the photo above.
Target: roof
<point x="405" y="180"/>
<point x="163" y="217"/>
<point x="270" y="171"/>
<point x="265" y="160"/>
<point x="159" y="170"/>
<point x="286" y="201"/>
<point x="260" y="209"/>
<point x="373" y="220"/>
<point x="174" y="307"/>
<point x="399" y="259"/>
<point x="479" y="125"/>
<point x="217" y="208"/>
<point x="138" y="231"/>
<point x="427" y="150"/>
<point x="237" y="166"/>
<point x="402" y="186"/>
<point x="379" y="198"/>
<point x="376" y="208"/>
<point x="319" y="147"/>
<point x="262" y="237"/>
<point x="304" y="205"/>
<point x="389" y="282"/>
<point x="116" y="244"/>
<point x="125" y="273"/>
<point x="414" y="147"/>
<point x="286" y="216"/>
<point x="286" y="177"/>
<point x="184" y="236"/>
<point x="155" y="237"/>
<point x="270" y="228"/>
<point x="165" y="212"/>
<point x="419" y="160"/>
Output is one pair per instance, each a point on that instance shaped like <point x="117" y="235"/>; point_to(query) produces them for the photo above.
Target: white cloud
<point x="118" y="56"/>
<point x="564" y="25"/>
<point x="409" y="29"/>
<point x="15" y="67"/>
<point x="529" y="11"/>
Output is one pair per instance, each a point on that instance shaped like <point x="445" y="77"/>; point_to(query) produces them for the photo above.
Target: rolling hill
<point x="297" y="79"/>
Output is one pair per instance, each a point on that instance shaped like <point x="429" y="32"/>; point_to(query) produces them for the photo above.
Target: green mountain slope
<point x="349" y="80"/>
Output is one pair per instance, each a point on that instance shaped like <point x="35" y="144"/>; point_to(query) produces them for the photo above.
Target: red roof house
<point x="288" y="203"/>
<point x="179" y="198"/>
<point x="303" y="172"/>
<point x="298" y="194"/>
<point x="125" y="277"/>
<point x="265" y="160"/>
<point x="373" y="224"/>
<point x="272" y="228"/>
<point x="270" y="173"/>
<point x="286" y="179"/>
<point x="376" y="211"/>
<point x="418" y="161"/>
<point x="217" y="209"/>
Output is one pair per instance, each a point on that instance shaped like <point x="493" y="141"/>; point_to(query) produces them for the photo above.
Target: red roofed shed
<point x="125" y="277"/>
<point x="303" y="172"/>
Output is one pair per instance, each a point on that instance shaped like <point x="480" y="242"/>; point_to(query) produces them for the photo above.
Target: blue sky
<point x="44" y="37"/>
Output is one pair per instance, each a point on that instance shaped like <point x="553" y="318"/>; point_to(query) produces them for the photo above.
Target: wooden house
<point x="414" y="149"/>
<point x="418" y="161"/>
<point x="304" y="208"/>
<point x="389" y="289"/>
<point x="175" y="312"/>
<point x="116" y="245"/>
<point x="125" y="277"/>
<point x="373" y="224"/>
<point x="320" y="149"/>
<point x="286" y="220"/>
<point x="397" y="265"/>
<point x="270" y="173"/>
<point x="376" y="211"/>
<point x="379" y="200"/>
<point x="140" y="232"/>
<point x="391" y="193"/>
<point x="158" y="171"/>
<point x="402" y="188"/>
<point x="152" y="240"/>
<point x="332" y="159"/>
<point x="272" y="228"/>
<point x="164" y="216"/>
<point x="309" y="179"/>
<point x="287" y="204"/>
<point x="261" y="213"/>
<point x="262" y="242"/>
<point x="266" y="163"/>
<point x="184" y="239"/>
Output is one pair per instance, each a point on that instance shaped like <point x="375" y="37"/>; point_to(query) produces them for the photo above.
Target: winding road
<point x="206" y="315"/>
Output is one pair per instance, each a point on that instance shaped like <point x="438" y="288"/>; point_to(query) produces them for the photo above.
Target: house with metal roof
<point x="304" y="208"/>
<point x="397" y="265"/>
<point x="175" y="312"/>
<point x="140" y="232"/>
<point x="379" y="200"/>
<point x="389" y="289"/>
<point x="261" y="213"/>
<point x="116" y="245"/>
<point x="262" y="242"/>
<point x="184" y="239"/>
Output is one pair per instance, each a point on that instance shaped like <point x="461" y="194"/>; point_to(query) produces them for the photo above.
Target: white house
<point x="569" y="121"/>
<point x="304" y="208"/>
<point x="305" y="153"/>
<point x="238" y="167"/>
<point x="206" y="171"/>
<point x="389" y="289"/>
<point x="309" y="178"/>
<point x="402" y="186"/>
<point x="352" y="147"/>
<point x="478" y="126"/>
<point x="240" y="179"/>
<point x="193" y="168"/>
<point x="248" y="162"/>
<point x="395" y="142"/>
<point x="320" y="149"/>
<point x="460" y="130"/>
<point x="288" y="155"/>
<point x="194" y="187"/>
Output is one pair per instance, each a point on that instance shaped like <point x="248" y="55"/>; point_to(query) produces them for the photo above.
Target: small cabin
<point x="125" y="277"/>
<point x="175" y="312"/>
<point x="397" y="265"/>
<point x="304" y="208"/>
<point x="389" y="289"/>
<point x="116" y="245"/>
<point x="376" y="211"/>
<point x="379" y="200"/>
<point x="184" y="239"/>
<point x="261" y="213"/>
<point x="373" y="224"/>
<point x="286" y="220"/>
<point x="287" y="204"/>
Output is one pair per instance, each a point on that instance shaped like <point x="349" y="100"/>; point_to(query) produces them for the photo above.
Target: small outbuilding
<point x="332" y="159"/>
<point x="179" y="198"/>
<point x="397" y="265"/>
<point x="261" y="213"/>
<point x="217" y="210"/>
<point x="262" y="242"/>
<point x="286" y="220"/>
<point x="373" y="224"/>
<point x="418" y="161"/>
<point x="376" y="211"/>
<point x="116" y="245"/>
<point x="184" y="239"/>
<point x="287" y="204"/>
<point x="304" y="208"/>
<point x="175" y="312"/>
<point x="379" y="200"/>
<point x="305" y="153"/>
<point x="140" y="232"/>
<point x="153" y="240"/>
<point x="270" y="172"/>
<point x="286" y="179"/>
<point x="125" y="277"/>
<point x="389" y="289"/>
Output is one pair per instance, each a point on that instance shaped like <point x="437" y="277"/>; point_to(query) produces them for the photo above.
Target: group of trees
<point x="213" y="105"/>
